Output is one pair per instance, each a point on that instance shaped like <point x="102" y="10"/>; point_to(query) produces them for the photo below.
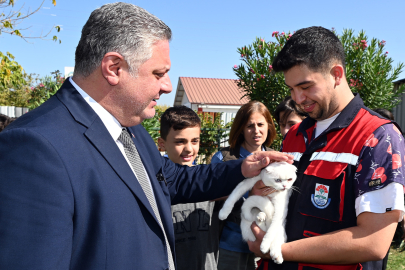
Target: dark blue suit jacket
<point x="69" y="200"/>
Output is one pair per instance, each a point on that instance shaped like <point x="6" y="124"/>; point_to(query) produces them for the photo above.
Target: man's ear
<point x="337" y="73"/>
<point x="111" y="67"/>
<point x="162" y="143"/>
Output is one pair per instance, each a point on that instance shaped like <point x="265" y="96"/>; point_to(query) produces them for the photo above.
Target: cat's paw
<point x="275" y="253"/>
<point x="261" y="217"/>
<point x="223" y="214"/>
<point x="265" y="246"/>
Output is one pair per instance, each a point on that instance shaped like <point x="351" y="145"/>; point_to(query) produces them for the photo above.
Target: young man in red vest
<point x="350" y="164"/>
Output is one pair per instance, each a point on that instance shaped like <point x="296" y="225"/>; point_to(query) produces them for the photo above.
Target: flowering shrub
<point x="256" y="75"/>
<point x="369" y="70"/>
<point x="213" y="133"/>
<point x="47" y="87"/>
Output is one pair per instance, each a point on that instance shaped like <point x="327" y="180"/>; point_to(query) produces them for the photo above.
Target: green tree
<point x="14" y="82"/>
<point x="47" y="87"/>
<point x="213" y="132"/>
<point x="12" y="75"/>
<point x="256" y="75"/>
<point x="152" y="125"/>
<point x="369" y="70"/>
<point x="10" y="19"/>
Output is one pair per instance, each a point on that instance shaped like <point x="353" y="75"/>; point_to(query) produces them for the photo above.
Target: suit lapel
<point x="100" y="138"/>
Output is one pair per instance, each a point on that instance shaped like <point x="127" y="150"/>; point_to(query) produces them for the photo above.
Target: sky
<point x="206" y="34"/>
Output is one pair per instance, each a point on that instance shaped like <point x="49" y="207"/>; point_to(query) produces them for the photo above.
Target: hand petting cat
<point x="253" y="164"/>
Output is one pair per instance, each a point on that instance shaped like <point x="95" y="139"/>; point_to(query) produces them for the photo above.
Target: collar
<point x="344" y="119"/>
<point x="245" y="153"/>
<point x="110" y="122"/>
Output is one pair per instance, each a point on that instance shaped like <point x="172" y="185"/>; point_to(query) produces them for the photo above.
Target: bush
<point x="369" y="70"/>
<point x="46" y="88"/>
<point x="213" y="133"/>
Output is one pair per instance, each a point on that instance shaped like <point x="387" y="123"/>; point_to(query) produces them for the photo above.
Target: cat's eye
<point x="278" y="180"/>
<point x="289" y="179"/>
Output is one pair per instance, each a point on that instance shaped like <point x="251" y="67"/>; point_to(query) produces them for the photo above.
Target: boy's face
<point x="182" y="145"/>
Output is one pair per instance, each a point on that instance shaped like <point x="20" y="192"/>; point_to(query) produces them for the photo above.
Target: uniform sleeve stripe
<point x="297" y="155"/>
<point x="335" y="157"/>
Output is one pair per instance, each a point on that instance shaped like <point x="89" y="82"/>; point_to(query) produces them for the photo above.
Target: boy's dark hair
<point x="385" y="113"/>
<point x="287" y="106"/>
<point x="178" y="117"/>
<point x="5" y="121"/>
<point x="316" y="47"/>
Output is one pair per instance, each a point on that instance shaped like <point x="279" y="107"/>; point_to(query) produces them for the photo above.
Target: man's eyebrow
<point x="301" y="83"/>
<point x="162" y="69"/>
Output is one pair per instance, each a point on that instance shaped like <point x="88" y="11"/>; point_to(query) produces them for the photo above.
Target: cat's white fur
<point x="268" y="212"/>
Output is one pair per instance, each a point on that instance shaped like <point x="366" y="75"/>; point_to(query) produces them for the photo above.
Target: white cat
<point x="269" y="212"/>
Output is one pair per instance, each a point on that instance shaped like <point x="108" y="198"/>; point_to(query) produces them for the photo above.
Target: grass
<point x="396" y="259"/>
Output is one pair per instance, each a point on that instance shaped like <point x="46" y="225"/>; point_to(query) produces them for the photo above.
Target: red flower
<point x="389" y="150"/>
<point x="371" y="141"/>
<point x="396" y="161"/>
<point x="379" y="173"/>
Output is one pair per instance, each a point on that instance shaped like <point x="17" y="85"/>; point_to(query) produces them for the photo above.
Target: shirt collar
<point x="245" y="153"/>
<point x="110" y="122"/>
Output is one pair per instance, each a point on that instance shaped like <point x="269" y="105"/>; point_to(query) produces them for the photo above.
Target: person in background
<point x="196" y="226"/>
<point x="252" y="130"/>
<point x="5" y="121"/>
<point x="287" y="115"/>
<point x="385" y="113"/>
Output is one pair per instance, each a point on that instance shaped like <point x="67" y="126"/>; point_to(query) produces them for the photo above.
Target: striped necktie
<point x="133" y="156"/>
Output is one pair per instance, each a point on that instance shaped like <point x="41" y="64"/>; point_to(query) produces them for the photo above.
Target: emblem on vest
<point x="320" y="197"/>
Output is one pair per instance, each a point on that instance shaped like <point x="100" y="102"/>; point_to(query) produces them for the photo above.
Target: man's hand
<point x="253" y="164"/>
<point x="255" y="246"/>
<point x="260" y="189"/>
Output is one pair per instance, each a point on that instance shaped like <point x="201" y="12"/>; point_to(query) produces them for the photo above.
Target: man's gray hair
<point x="119" y="27"/>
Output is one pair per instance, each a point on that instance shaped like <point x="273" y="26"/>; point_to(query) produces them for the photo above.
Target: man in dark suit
<point x="74" y="193"/>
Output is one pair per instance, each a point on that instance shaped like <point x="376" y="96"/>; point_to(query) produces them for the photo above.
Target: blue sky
<point x="207" y="33"/>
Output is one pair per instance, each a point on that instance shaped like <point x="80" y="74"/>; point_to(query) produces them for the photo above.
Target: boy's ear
<point x="162" y="143"/>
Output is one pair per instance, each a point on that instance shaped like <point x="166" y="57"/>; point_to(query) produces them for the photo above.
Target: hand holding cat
<point x="253" y="164"/>
<point x="254" y="246"/>
<point x="260" y="189"/>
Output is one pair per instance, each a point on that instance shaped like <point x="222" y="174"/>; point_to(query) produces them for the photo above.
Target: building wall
<point x="399" y="110"/>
